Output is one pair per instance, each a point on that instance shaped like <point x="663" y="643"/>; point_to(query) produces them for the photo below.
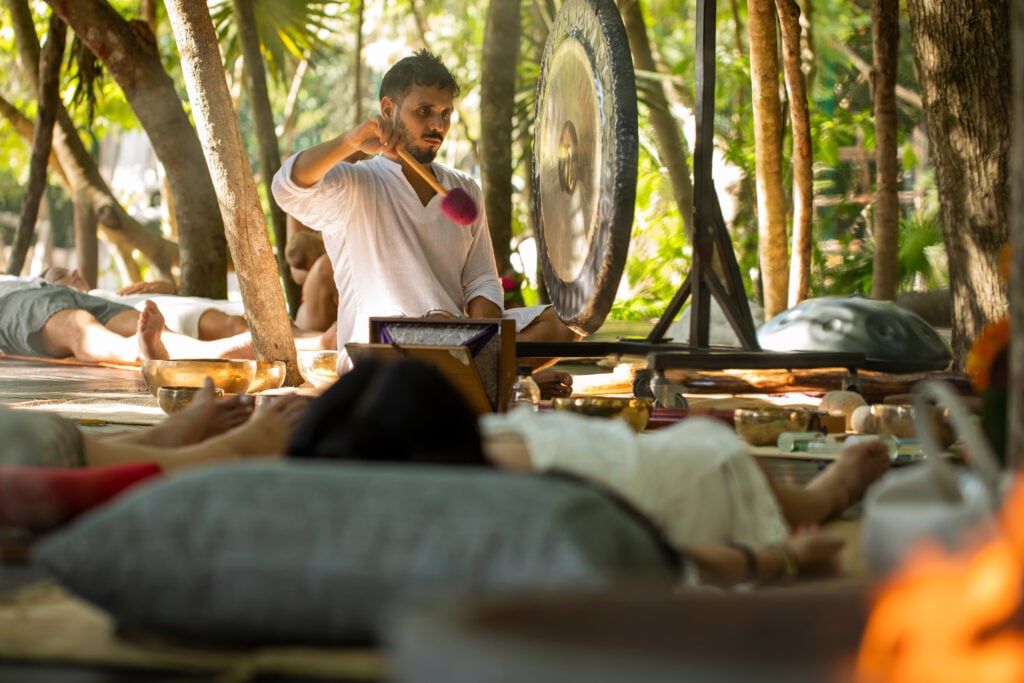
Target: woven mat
<point x="43" y="623"/>
<point x="128" y="409"/>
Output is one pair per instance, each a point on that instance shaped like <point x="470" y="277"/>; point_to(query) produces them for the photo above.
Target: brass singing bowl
<point x="173" y="399"/>
<point x="894" y="420"/>
<point x="635" y="411"/>
<point x="230" y="375"/>
<point x="762" y="426"/>
<point x="319" y="368"/>
<point x="269" y="375"/>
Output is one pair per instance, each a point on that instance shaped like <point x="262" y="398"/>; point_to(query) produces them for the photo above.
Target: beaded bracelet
<point x="753" y="570"/>
<point x="789" y="563"/>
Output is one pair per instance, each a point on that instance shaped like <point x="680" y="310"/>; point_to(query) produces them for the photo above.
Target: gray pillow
<point x="321" y="552"/>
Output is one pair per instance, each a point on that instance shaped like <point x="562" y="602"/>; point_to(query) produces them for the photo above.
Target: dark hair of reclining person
<point x="390" y="411"/>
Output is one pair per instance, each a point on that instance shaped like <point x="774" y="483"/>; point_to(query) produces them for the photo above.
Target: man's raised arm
<point x="373" y="136"/>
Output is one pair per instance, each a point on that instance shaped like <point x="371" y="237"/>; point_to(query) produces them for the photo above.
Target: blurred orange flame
<point x="951" y="617"/>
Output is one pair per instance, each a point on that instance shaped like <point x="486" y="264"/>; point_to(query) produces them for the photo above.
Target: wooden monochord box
<point x="478" y="355"/>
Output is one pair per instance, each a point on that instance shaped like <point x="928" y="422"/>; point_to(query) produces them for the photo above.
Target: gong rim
<point x="585" y="156"/>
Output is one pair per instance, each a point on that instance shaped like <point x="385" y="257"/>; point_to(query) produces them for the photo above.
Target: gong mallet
<point x="456" y="202"/>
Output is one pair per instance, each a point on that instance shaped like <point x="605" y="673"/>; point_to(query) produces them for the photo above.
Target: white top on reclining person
<point x="194" y="316"/>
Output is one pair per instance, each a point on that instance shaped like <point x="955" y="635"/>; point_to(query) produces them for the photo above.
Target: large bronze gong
<point x="585" y="160"/>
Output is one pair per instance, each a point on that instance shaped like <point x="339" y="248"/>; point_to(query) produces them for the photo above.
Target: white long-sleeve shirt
<point x="392" y="256"/>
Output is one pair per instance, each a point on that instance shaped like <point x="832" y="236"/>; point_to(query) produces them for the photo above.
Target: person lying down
<point x="695" y="480"/>
<point x="700" y="485"/>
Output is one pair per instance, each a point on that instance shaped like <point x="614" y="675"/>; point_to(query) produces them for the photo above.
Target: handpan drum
<point x="585" y="160"/>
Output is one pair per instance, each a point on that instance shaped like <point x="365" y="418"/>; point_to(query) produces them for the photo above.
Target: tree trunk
<point x="86" y="186"/>
<point x="667" y="136"/>
<point x="93" y="202"/>
<point x="498" y="65"/>
<point x="803" y="161"/>
<point x="128" y="51"/>
<point x="885" y="273"/>
<point x="266" y="137"/>
<point x="1015" y="418"/>
<point x="962" y="52"/>
<point x="27" y="130"/>
<point x="222" y="143"/>
<point x="49" y="97"/>
<point x="771" y="200"/>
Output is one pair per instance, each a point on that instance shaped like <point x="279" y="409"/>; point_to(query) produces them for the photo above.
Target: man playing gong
<point x="397" y="244"/>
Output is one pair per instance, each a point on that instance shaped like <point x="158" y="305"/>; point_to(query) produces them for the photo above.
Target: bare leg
<point x="216" y="324"/>
<point x="78" y="334"/>
<point x="204" y="417"/>
<point x="150" y="333"/>
<point x="156" y="342"/>
<point x="841" y="484"/>
<point x="266" y="433"/>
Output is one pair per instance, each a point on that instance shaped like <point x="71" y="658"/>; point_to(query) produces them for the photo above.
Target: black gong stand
<point x="713" y="271"/>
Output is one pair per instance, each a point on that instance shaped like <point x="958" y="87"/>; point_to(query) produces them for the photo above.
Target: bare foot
<point x="816" y="552"/>
<point x="268" y="430"/>
<point x="149" y="333"/>
<point x="856" y="467"/>
<point x="204" y="417"/>
<point x="553" y="384"/>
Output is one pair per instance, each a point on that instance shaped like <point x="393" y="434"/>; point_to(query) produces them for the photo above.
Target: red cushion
<point x="40" y="498"/>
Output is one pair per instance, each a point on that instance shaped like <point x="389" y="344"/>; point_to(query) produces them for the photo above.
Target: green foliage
<point x="659" y="250"/>
<point x="659" y="256"/>
<point x="289" y="30"/>
<point x="922" y="253"/>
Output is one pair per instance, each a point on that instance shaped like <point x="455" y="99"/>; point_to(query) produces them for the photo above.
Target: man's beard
<point x="424" y="155"/>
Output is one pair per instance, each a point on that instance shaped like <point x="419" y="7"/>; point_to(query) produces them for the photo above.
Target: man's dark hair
<point x="422" y="68"/>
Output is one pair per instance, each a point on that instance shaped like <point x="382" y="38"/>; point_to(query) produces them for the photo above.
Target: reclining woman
<point x="696" y="481"/>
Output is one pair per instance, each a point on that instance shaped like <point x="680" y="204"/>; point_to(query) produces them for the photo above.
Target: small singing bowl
<point x="762" y="426"/>
<point x="319" y="368"/>
<point x="269" y="375"/>
<point x="173" y="399"/>
<point x="230" y="375"/>
<point x="894" y="420"/>
<point x="635" y="411"/>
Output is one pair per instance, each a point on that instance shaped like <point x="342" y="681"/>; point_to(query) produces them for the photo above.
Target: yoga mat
<point x="43" y="623"/>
